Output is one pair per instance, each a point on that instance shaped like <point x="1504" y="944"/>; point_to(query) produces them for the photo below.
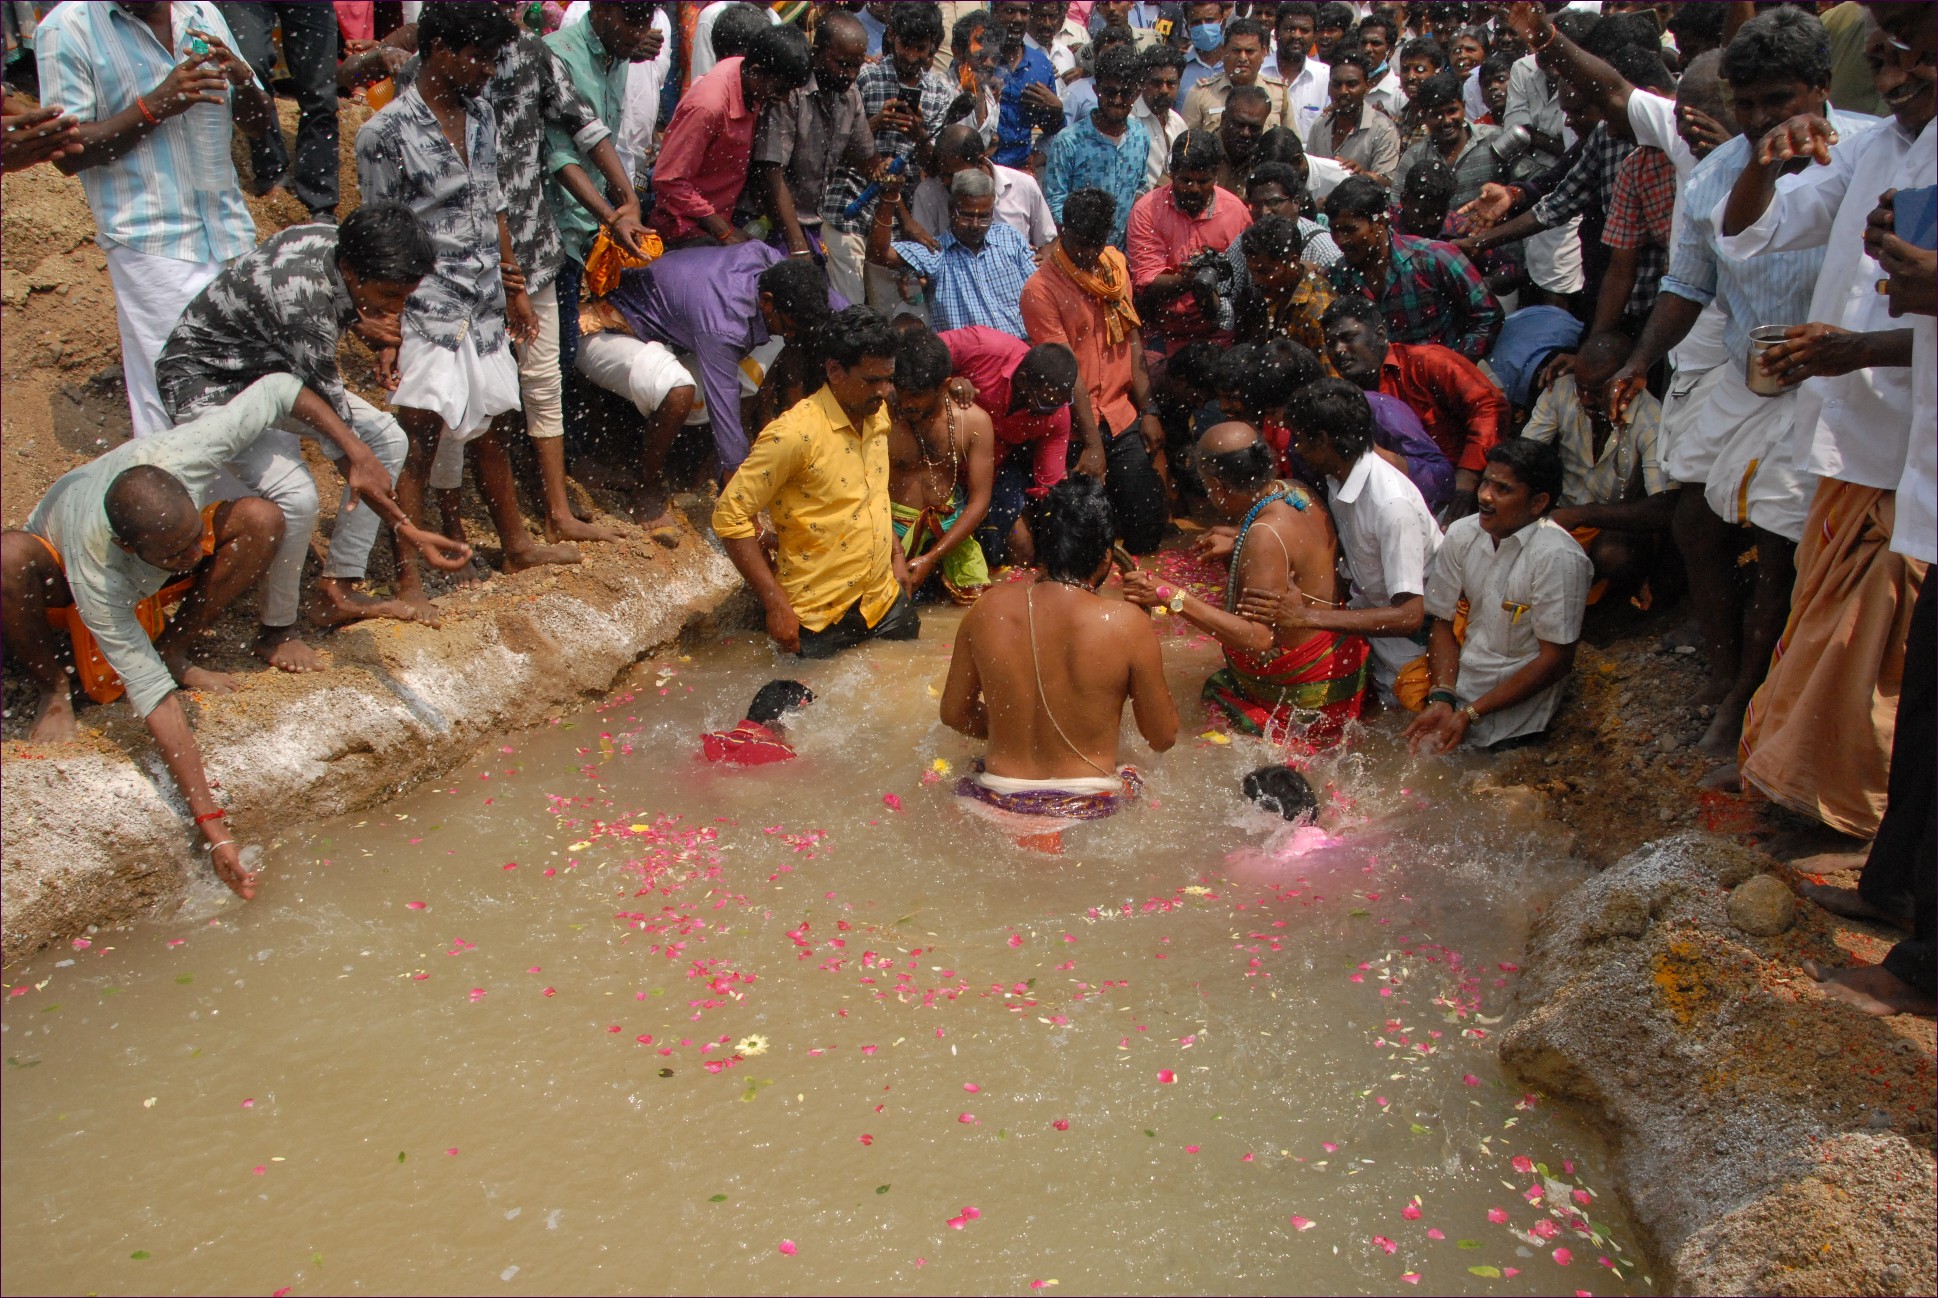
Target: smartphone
<point x="1915" y="216"/>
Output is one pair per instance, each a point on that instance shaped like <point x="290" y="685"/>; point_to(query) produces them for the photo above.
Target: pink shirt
<point x="702" y="165"/>
<point x="1160" y="239"/>
<point x="988" y="359"/>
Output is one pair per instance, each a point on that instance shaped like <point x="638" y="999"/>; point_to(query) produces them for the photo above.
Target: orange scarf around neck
<point x="1109" y="284"/>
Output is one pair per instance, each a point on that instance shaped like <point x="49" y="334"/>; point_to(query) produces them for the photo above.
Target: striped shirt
<point x="975" y="288"/>
<point x="94" y="59"/>
<point x="1771" y="288"/>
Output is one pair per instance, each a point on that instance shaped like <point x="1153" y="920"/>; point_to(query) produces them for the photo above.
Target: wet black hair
<point x="1281" y="789"/>
<point x="857" y="332"/>
<point x="1248" y="95"/>
<point x="1359" y="196"/>
<point x="776" y="699"/>
<point x="1296" y="9"/>
<point x="1353" y="306"/>
<point x="1385" y="24"/>
<point x="1351" y="56"/>
<point x="922" y="361"/>
<point x="1073" y="526"/>
<point x="965" y="30"/>
<point x="1089" y="215"/>
<point x="1244" y="468"/>
<point x="1431" y="180"/>
<point x="1536" y="464"/>
<point x="1196" y="150"/>
<point x="916" y="22"/>
<point x="781" y="52"/>
<point x="1702" y="22"/>
<point x="833" y="25"/>
<point x="1265" y="375"/>
<point x="386" y="244"/>
<point x="1280" y="144"/>
<point x="1333" y="14"/>
<point x="1615" y="31"/>
<point x="1283" y="174"/>
<point x="1495" y="66"/>
<point x="1119" y="62"/>
<point x="800" y="292"/>
<point x="1248" y="27"/>
<point x="1423" y="47"/>
<point x="1160" y="56"/>
<point x="734" y="30"/>
<point x="1437" y="91"/>
<point x="1642" y="66"/>
<point x="1053" y="363"/>
<point x="1276" y="237"/>
<point x="464" y="27"/>
<point x="1578" y="25"/>
<point x="1336" y="411"/>
<point x="1196" y="365"/>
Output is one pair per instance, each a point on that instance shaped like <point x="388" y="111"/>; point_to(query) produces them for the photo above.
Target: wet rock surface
<point x="1771" y="1141"/>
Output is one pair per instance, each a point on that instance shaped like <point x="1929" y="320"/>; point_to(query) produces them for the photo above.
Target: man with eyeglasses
<point x="1106" y="150"/>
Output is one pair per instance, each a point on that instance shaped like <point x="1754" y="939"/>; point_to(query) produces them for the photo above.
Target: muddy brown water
<point x="592" y="1016"/>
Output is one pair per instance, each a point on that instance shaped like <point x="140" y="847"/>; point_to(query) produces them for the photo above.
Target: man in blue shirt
<point x="1029" y="99"/>
<point x="1106" y="149"/>
<point x="976" y="274"/>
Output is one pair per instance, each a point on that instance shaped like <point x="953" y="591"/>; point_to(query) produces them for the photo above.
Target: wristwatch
<point x="1473" y="717"/>
<point x="1177" y="602"/>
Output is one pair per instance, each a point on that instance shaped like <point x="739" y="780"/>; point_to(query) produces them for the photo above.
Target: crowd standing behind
<point x="1448" y="322"/>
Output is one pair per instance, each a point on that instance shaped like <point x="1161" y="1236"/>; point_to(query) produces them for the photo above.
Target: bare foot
<point x="338" y="603"/>
<point x="1711" y="694"/>
<point x="54" y="719"/>
<point x="649" y="508"/>
<point x="539" y="555"/>
<point x="572" y="528"/>
<point x="1725" y="730"/>
<point x="201" y="678"/>
<point x="473" y="573"/>
<point x="420" y="605"/>
<point x="282" y="647"/>
<point x="1849" y="903"/>
<point x="1871" y="988"/>
<point x="1725" y="778"/>
<point x="1830" y="862"/>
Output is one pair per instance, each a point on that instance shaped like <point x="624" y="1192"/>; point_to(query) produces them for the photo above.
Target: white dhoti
<point x="465" y="390"/>
<point x="1687" y="442"/>
<point x="1754" y="481"/>
<point x="643" y="372"/>
<point x="541" y="387"/>
<point x="1554" y="258"/>
<point x="150" y="294"/>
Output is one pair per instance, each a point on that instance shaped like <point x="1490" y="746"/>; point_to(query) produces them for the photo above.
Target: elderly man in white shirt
<point x="1525" y="582"/>
<point x="1387" y="536"/>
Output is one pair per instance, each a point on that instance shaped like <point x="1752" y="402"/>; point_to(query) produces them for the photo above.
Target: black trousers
<point x="850" y="629"/>
<point x="309" y="50"/>
<point x="1902" y="869"/>
<point x="1130" y="480"/>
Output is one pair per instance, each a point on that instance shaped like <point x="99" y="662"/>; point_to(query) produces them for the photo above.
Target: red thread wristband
<point x="207" y="816"/>
<point x="149" y="116"/>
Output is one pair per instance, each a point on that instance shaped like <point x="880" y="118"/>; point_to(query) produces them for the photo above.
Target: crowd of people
<point x="1435" y="325"/>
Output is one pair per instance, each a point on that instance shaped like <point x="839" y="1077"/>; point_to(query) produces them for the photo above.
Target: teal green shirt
<point x="601" y="78"/>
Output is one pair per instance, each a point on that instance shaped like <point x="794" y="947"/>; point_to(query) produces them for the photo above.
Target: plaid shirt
<point x="1639" y="217"/>
<point x="975" y="288"/>
<point x="877" y="84"/>
<point x="1592" y="178"/>
<point x="1432" y="294"/>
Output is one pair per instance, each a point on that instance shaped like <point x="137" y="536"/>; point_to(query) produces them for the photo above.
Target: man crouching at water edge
<point x="821" y="472"/>
<point x="111" y="545"/>
<point x="1041" y="670"/>
<point x="1521" y="583"/>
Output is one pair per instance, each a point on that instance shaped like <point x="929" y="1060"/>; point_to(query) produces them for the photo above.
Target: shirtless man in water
<point x="1042" y="670"/>
<point x="941" y="470"/>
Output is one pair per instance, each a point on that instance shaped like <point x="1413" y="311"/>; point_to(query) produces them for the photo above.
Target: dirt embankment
<point x="93" y="831"/>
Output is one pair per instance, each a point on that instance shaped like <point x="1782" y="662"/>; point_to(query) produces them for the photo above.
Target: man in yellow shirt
<point x="821" y="473"/>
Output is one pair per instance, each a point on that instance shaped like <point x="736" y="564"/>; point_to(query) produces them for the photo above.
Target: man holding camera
<point x="1170" y="227"/>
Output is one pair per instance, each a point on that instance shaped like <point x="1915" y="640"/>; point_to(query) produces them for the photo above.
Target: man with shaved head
<point x="84" y="586"/>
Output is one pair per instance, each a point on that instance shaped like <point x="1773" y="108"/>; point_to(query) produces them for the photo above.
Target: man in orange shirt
<point x="1081" y="297"/>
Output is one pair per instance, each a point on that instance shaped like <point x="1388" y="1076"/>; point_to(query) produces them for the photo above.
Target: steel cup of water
<point x="1761" y="340"/>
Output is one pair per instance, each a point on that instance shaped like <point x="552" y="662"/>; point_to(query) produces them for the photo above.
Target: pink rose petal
<point x="1411" y="1212"/>
<point x="1562" y="1257"/>
<point x="1496" y="1215"/>
<point x="789" y="1248"/>
<point x="971" y="1087"/>
<point x="1470" y="1079"/>
<point x="1190" y="1149"/>
<point x="865" y="1138"/>
<point x="1385" y="1245"/>
<point x="1523" y="1164"/>
<point x="413" y="905"/>
<point x="1165" y="1076"/>
<point x="1302" y="1223"/>
<point x="892" y="802"/>
<point x="965" y="1117"/>
<point x="1434" y="1232"/>
<point x="1061" y="1124"/>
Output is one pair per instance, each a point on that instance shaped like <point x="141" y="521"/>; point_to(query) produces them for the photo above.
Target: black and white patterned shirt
<point x="403" y="157"/>
<point x="278" y="310"/>
<point x="531" y="91"/>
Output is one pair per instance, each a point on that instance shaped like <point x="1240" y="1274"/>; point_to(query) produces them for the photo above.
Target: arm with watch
<point x="1442" y="726"/>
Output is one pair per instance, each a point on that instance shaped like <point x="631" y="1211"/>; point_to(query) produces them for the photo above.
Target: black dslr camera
<point x="1210" y="273"/>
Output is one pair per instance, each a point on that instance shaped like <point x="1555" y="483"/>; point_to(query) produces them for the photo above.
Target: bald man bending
<point x="84" y="586"/>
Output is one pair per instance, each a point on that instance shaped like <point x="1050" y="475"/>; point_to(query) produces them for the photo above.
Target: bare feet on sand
<point x="473" y="573"/>
<point x="282" y="647"/>
<point x="1850" y="904"/>
<point x="54" y="719"/>
<point x="652" y="512"/>
<point x="201" y="678"/>
<point x="338" y="602"/>
<point x="1725" y="729"/>
<point x="537" y="556"/>
<point x="1725" y="778"/>
<point x="1871" y="988"/>
<point x="573" y="528"/>
<point x="421" y="608"/>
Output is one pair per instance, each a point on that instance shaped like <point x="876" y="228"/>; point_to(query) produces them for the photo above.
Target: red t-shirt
<point x="747" y="744"/>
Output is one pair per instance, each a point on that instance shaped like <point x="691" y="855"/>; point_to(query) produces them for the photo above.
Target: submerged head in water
<point x="1283" y="791"/>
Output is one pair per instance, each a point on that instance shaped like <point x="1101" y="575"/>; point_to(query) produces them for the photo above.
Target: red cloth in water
<point x="747" y="744"/>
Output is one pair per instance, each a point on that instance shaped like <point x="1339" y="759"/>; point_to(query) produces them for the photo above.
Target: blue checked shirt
<point x="1083" y="157"/>
<point x="1769" y="289"/>
<point x="94" y="59"/>
<point x="970" y="288"/>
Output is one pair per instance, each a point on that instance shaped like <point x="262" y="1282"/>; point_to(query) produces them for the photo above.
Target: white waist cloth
<point x="460" y="387"/>
<point x="1061" y="784"/>
<point x="1754" y="479"/>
